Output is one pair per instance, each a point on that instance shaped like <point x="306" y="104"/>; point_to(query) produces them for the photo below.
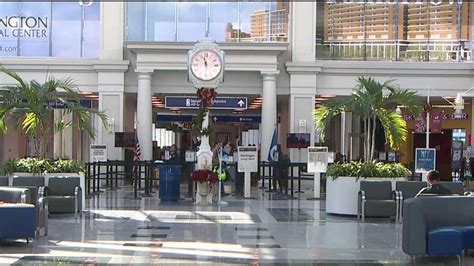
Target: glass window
<point x="224" y="22"/>
<point x="412" y="32"/>
<point x="91" y="31"/>
<point x="192" y="19"/>
<point x="136" y="20"/>
<point x="49" y="28"/>
<point x="8" y="40"/>
<point x="66" y="33"/>
<point x="33" y="28"/>
<point x="160" y="21"/>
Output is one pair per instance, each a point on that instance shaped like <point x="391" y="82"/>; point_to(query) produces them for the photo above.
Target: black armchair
<point x="376" y="199"/>
<point x="407" y="190"/>
<point x="64" y="195"/>
<point x="3" y="181"/>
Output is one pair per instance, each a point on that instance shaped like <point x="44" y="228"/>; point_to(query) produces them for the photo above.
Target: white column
<point x="144" y="115"/>
<point x="112" y="21"/>
<point x="58" y="136"/>
<point x="269" y="112"/>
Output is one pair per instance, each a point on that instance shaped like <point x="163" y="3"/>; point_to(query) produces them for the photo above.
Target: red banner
<point x="435" y="122"/>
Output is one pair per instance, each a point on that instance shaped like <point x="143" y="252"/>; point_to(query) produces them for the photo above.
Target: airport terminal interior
<point x="237" y="132"/>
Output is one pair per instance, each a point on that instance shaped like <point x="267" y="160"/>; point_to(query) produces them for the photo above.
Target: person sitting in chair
<point x="434" y="188"/>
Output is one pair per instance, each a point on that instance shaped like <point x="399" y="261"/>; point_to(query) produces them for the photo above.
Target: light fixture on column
<point x="458" y="105"/>
<point x="398" y="111"/>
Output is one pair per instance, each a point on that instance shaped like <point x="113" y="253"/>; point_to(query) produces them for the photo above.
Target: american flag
<point x="137" y="152"/>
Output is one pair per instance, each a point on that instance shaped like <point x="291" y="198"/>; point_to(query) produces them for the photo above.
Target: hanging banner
<point x="456" y="155"/>
<point x="420" y="124"/>
<point x="435" y="122"/>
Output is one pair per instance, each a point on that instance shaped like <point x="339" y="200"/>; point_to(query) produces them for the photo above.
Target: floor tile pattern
<point x="117" y="229"/>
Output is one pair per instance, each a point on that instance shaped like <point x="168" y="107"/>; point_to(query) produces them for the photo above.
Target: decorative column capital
<point x="144" y="74"/>
<point x="270" y="75"/>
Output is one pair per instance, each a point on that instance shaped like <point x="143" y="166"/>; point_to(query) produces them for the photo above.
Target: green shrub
<point x="367" y="170"/>
<point x="40" y="166"/>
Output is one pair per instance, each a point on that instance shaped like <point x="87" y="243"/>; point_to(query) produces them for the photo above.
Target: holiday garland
<point x="206" y="97"/>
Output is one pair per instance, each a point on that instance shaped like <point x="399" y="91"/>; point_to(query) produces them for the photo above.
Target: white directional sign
<point x="248" y="159"/>
<point x="317" y="159"/>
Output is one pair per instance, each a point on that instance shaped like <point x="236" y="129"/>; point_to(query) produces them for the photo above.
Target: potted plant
<point x="374" y="103"/>
<point x="30" y="106"/>
<point x="205" y="179"/>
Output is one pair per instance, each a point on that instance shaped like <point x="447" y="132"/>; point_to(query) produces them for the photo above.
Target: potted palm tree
<point x="29" y="106"/>
<point x="374" y="103"/>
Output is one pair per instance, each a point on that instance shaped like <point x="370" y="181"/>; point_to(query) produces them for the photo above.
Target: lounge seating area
<point x="377" y="199"/>
<point x="438" y="226"/>
<point x="20" y="194"/>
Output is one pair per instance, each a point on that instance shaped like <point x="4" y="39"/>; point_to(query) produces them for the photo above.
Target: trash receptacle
<point x="170" y="179"/>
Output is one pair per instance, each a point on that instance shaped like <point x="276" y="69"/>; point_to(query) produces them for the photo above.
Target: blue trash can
<point x="170" y="179"/>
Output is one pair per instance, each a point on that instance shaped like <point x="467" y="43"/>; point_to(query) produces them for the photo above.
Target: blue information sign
<point x="193" y="102"/>
<point x="215" y="118"/>
<point x="425" y="160"/>
<point x="236" y="118"/>
<point x="60" y="105"/>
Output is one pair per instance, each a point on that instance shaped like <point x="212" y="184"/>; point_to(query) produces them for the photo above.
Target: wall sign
<point x="98" y="153"/>
<point x="425" y="160"/>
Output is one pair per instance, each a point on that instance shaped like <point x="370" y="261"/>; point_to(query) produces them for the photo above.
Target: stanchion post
<point x="262" y="167"/>
<point x="94" y="165"/>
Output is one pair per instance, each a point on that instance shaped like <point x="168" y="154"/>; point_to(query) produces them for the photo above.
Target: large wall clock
<point x="206" y="64"/>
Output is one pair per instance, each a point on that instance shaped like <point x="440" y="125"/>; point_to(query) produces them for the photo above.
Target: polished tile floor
<point x="116" y="228"/>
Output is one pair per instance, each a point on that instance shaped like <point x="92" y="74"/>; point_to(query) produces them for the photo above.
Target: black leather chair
<point x="407" y="190"/>
<point x="3" y="181"/>
<point x="64" y="195"/>
<point x="376" y="199"/>
<point x="455" y="187"/>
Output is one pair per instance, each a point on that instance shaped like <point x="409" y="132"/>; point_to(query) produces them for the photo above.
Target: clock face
<point x="206" y="65"/>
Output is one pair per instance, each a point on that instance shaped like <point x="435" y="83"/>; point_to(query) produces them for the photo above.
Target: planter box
<point x="49" y="175"/>
<point x="342" y="193"/>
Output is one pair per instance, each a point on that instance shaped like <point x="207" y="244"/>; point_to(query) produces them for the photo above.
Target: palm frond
<point x="395" y="127"/>
<point x="13" y="75"/>
<point x="324" y="114"/>
<point x="406" y="98"/>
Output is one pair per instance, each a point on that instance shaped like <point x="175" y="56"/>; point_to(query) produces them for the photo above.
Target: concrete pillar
<point x="269" y="112"/>
<point x="144" y="115"/>
<point x="302" y="79"/>
<point x="112" y="21"/>
<point x="303" y="31"/>
<point x="58" y="136"/>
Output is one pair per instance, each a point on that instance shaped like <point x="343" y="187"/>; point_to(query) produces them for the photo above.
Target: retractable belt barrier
<point x="295" y="171"/>
<point x="112" y="171"/>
